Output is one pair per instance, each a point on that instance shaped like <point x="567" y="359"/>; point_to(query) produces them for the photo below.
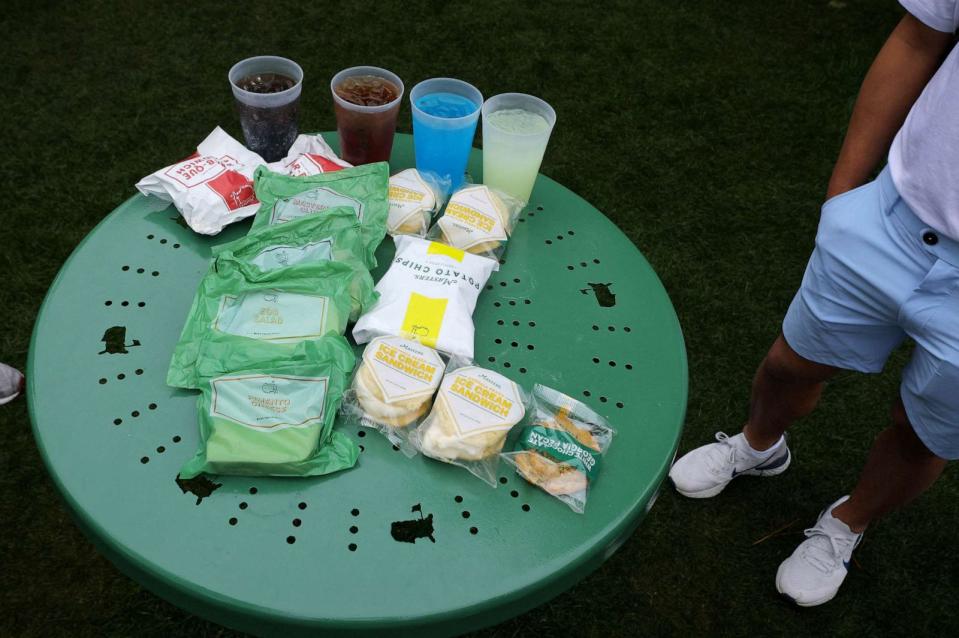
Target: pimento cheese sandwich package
<point x="472" y="415"/>
<point x="428" y="294"/>
<point x="268" y="409"/>
<point x="211" y="188"/>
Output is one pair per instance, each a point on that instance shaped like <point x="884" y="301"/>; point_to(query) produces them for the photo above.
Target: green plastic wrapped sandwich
<point x="279" y="306"/>
<point x="364" y="189"/>
<point x="333" y="236"/>
<point x="268" y="409"/>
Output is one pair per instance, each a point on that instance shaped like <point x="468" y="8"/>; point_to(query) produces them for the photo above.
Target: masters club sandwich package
<point x="280" y="306"/>
<point x="393" y="387"/>
<point x="333" y="236"/>
<point x="478" y="219"/>
<point x="309" y="155"/>
<point x="268" y="409"/>
<point x="364" y="189"/>
<point x="561" y="447"/>
<point x="472" y="415"/>
<point x="415" y="197"/>
<point x="428" y="294"/>
<point x="211" y="188"/>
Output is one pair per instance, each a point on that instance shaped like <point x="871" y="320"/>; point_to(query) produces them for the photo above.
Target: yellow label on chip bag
<point x="424" y="317"/>
<point x="436" y="248"/>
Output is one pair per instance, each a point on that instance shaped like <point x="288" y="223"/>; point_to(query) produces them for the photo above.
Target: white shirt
<point x="924" y="157"/>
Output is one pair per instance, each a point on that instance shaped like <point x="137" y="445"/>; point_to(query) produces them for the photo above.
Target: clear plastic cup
<point x="366" y="132"/>
<point x="442" y="143"/>
<point x="514" y="141"/>
<point x="269" y="120"/>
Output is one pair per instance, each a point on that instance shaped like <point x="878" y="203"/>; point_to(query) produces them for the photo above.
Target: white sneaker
<point x="11" y="383"/>
<point x="705" y="471"/>
<point x="814" y="572"/>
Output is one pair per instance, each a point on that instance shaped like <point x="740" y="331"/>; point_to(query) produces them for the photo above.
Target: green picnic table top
<point x="574" y="306"/>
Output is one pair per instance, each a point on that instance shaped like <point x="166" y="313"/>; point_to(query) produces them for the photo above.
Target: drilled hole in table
<point x="355" y="512"/>
<point x="595" y="327"/>
<point x="629" y="366"/>
<point x="297" y="522"/>
<point x="502" y="262"/>
<point x="144" y="459"/>
<point x="489" y="286"/>
<point x="121" y="376"/>
<point x="102" y="381"/>
<point x="612" y="364"/>
<point x="497" y="304"/>
<point x="514" y="494"/>
<point x="361" y="433"/>
<point x="243" y="505"/>
<point x="107" y="303"/>
<point x="603" y="399"/>
<point x="142" y="304"/>
<point x="538" y="208"/>
<point x="466" y="514"/>
<point x="512" y="302"/>
<point x="498" y="341"/>
<point x="354" y="529"/>
<point x="138" y="371"/>
<point x="153" y="406"/>
<point x="140" y="271"/>
<point x="549" y="242"/>
<point x="525" y="507"/>
<point x="233" y="521"/>
<point x="155" y="273"/>
<point x="514" y="344"/>
<point x="117" y="421"/>
<point x="176" y="245"/>
<point x="502" y="284"/>
<point x="627" y="329"/>
<point x="531" y="214"/>
<point x="352" y="547"/>
<point x="177" y="439"/>
<point x="162" y="241"/>
<point x="396" y="448"/>
<point x="522" y="370"/>
<point x="161" y="450"/>
<point x="530" y="347"/>
<point x="302" y="506"/>
<point x="582" y="264"/>
<point x="125" y="304"/>
<point x="135" y="413"/>
<point x="125" y="268"/>
<point x="362" y="449"/>
<point x="570" y="268"/>
<point x="506" y="364"/>
<point x="527" y="301"/>
<point x="595" y="359"/>
<point x="516" y="280"/>
<point x="570" y="233"/>
<point x="291" y="539"/>
<point x="586" y="393"/>
<point x="612" y="328"/>
<point x="559" y="237"/>
<point x="515" y="322"/>
<point x="619" y="404"/>
<point x="491" y="359"/>
<point x="500" y="322"/>
<point x="474" y="531"/>
<point x="532" y="324"/>
<point x="149" y="236"/>
<point x="253" y="490"/>
<point x="595" y="261"/>
<point x="458" y="499"/>
<point x="503" y="480"/>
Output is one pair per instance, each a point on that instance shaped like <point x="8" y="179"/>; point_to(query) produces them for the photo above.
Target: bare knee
<point x="784" y="365"/>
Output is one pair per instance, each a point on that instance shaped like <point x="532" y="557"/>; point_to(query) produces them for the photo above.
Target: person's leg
<point x="786" y="387"/>
<point x="899" y="468"/>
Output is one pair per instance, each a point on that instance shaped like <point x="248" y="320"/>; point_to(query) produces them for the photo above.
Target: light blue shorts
<point x="877" y="276"/>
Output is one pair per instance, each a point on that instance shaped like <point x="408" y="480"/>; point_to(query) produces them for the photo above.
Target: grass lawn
<point x="705" y="130"/>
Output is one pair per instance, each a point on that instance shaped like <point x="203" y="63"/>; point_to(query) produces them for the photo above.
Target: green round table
<point x="574" y="306"/>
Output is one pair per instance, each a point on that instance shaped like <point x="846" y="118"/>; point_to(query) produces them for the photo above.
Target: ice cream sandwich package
<point x="393" y="387"/>
<point x="471" y="417"/>
<point x="309" y="155"/>
<point x="333" y="236"/>
<point x="478" y="219"/>
<point x="561" y="447"/>
<point x="268" y="409"/>
<point x="364" y="189"/>
<point x="415" y="197"/>
<point x="279" y="306"/>
<point x="211" y="188"/>
<point x="428" y="294"/>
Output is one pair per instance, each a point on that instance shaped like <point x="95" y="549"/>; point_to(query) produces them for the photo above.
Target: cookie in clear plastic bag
<point x="561" y="447"/>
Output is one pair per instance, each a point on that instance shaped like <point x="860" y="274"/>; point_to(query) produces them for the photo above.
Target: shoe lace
<point x="721" y="457"/>
<point x="824" y="551"/>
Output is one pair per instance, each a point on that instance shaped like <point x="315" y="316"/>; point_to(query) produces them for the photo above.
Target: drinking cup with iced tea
<point x="366" y="101"/>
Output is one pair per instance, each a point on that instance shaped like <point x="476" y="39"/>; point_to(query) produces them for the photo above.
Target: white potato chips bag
<point x="478" y="219"/>
<point x="428" y="294"/>
<point x="211" y="188"/>
<point x="393" y="387"/>
<point x="415" y="197"/>
<point x="309" y="155"/>
<point x="471" y="418"/>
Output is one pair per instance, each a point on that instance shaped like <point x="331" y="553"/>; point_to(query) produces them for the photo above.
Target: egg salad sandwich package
<point x="211" y="188"/>
<point x="428" y="294"/>
<point x="334" y="236"/>
<point x="415" y="196"/>
<point x="280" y="306"/>
<point x="471" y="418"/>
<point x="393" y="387"/>
<point x="561" y="447"/>
<point x="478" y="219"/>
<point x="268" y="409"/>
<point x="309" y="155"/>
<point x="365" y="189"/>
